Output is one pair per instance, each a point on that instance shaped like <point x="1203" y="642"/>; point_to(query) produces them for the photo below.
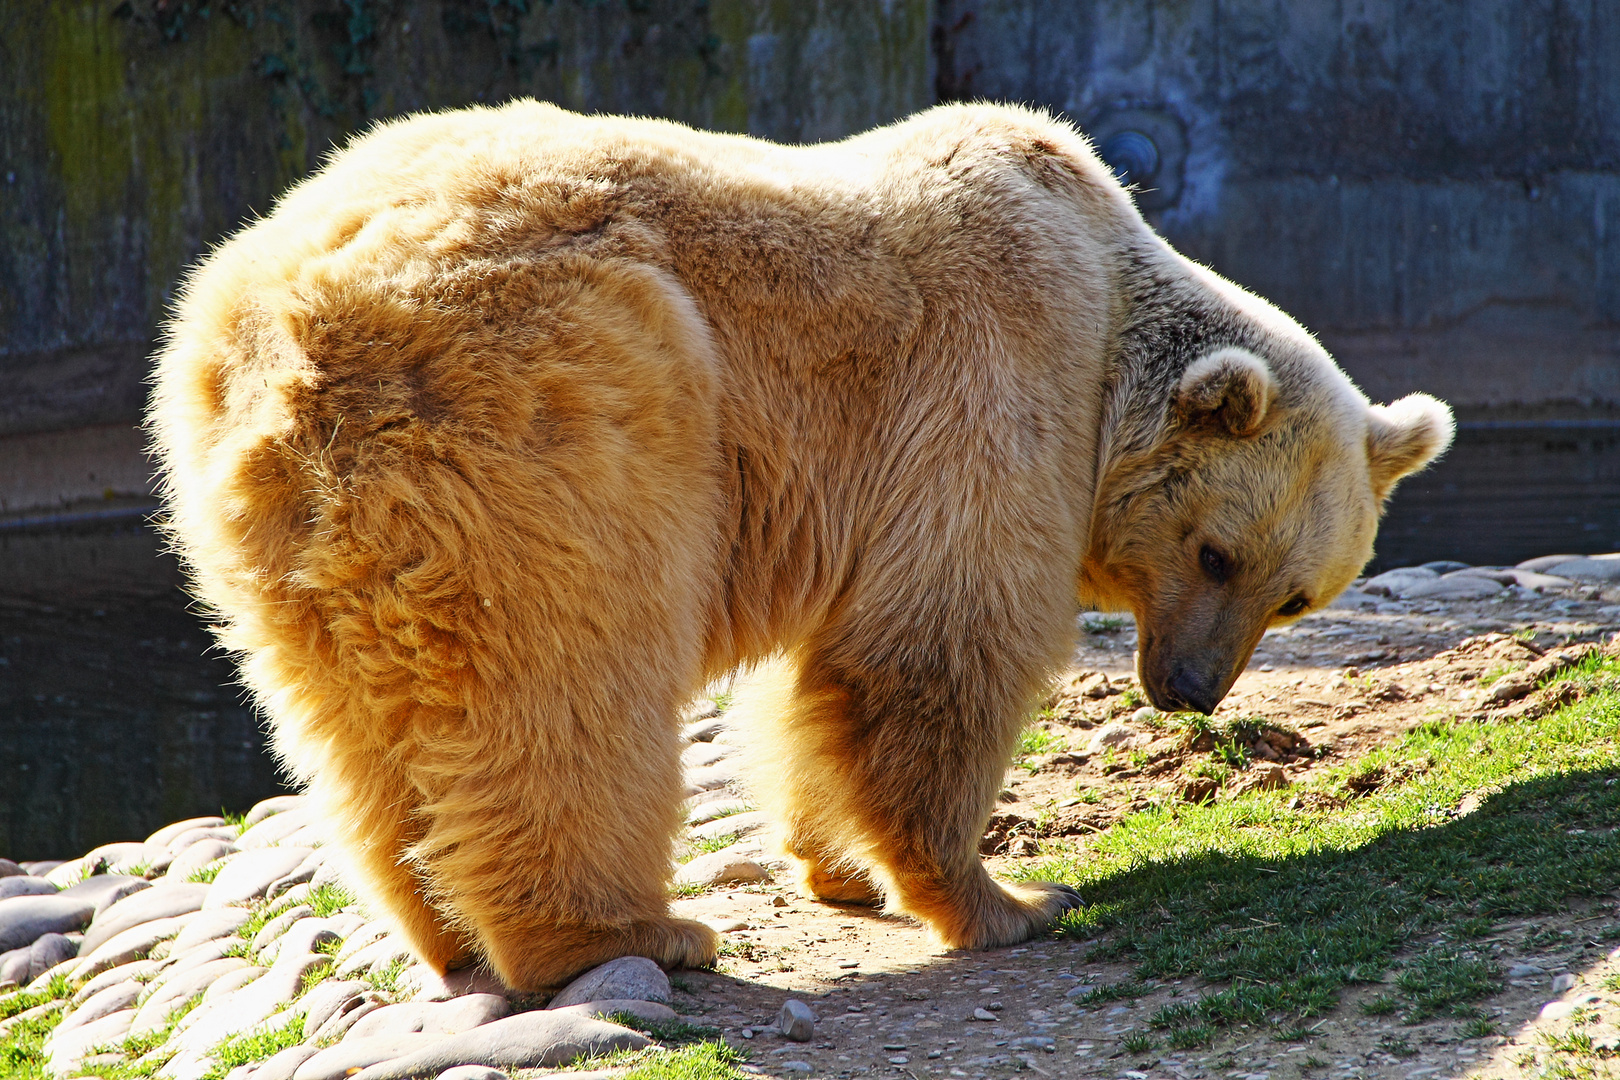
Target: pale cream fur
<point x="510" y="429"/>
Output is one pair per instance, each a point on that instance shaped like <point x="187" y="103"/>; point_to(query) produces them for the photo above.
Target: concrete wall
<point x="134" y="135"/>
<point x="1431" y="185"/>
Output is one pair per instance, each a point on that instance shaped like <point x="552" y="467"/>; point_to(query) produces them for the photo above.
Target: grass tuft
<point x="1139" y="1042"/>
<point x="253" y="1047"/>
<point x="205" y="875"/>
<point x="386" y="980"/>
<point x="666" y="1032"/>
<point x="1129" y="990"/>
<point x="1442" y="981"/>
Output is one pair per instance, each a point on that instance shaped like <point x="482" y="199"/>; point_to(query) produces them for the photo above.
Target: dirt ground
<point x="1335" y="685"/>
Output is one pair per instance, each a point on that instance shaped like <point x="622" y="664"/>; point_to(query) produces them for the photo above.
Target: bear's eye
<point x="1215" y="564"/>
<point x="1293" y="607"/>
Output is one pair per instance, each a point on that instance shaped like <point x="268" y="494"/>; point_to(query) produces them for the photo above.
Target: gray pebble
<point x="339" y="1024"/>
<point x="166" y="836"/>
<point x="330" y="998"/>
<point x="163" y="998"/>
<point x="26" y="919"/>
<point x="137" y="972"/>
<point x="148" y="905"/>
<point x="701" y="754"/>
<point x="280" y="924"/>
<point x="301" y="874"/>
<point x="274" y="830"/>
<point x="70" y="1048"/>
<point x="796" y="1021"/>
<point x="282" y="1065"/>
<point x="702" y="731"/>
<point x="1602" y="569"/>
<point x="627" y="977"/>
<point x="276" y="804"/>
<point x="433" y="1017"/>
<point x="199" y="855"/>
<point x="725" y="867"/>
<point x="250" y="873"/>
<point x="526" y="1041"/>
<point x="719" y="805"/>
<point x="11" y="869"/>
<point x="108" y="1001"/>
<point x="98" y="888"/>
<point x="25" y="886"/>
<point x="210" y="926"/>
<point x="14" y="966"/>
<point x="472" y="1072"/>
<point x="711" y="777"/>
<point x="745" y="824"/>
<point x="133" y="944"/>
<point x="351" y="1055"/>
<point x="47" y="952"/>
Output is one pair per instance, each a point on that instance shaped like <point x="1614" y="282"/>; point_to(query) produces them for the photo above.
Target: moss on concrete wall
<point x="134" y="134"/>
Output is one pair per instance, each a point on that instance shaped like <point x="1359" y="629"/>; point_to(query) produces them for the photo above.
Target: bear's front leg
<point x="890" y="776"/>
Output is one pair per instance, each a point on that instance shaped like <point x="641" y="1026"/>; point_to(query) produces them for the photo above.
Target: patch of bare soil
<point x="1318" y="694"/>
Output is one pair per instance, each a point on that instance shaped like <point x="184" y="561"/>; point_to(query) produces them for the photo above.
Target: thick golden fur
<point x="510" y="429"/>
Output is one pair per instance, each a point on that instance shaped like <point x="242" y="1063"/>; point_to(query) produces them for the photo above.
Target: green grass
<point x="1096" y="623"/>
<point x="205" y="875"/>
<point x="701" y="1061"/>
<point x="706" y="844"/>
<point x="135" y="1048"/>
<point x="386" y="980"/>
<point x="665" y="1032"/>
<point x="708" y="1060"/>
<point x="316" y="975"/>
<point x="20" y="1001"/>
<point x="1139" y="1042"/>
<point x="1037" y="740"/>
<point x="254" y="1046"/>
<point x="1120" y="991"/>
<point x="22" y="1051"/>
<point x="1286" y="907"/>
<point x="1479" y="1027"/>
<point x="328" y="900"/>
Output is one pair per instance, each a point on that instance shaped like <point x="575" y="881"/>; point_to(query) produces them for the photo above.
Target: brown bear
<point x="510" y="429"/>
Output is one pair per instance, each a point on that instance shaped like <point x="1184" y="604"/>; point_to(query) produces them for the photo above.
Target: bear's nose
<point x="1194" y="690"/>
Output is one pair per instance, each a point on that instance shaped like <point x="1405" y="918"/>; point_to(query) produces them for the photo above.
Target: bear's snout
<point x="1190" y="689"/>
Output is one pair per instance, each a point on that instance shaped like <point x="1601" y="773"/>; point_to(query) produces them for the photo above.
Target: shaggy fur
<point x="510" y="429"/>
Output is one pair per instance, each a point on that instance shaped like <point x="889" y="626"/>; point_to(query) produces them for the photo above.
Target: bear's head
<point x="1251" y="501"/>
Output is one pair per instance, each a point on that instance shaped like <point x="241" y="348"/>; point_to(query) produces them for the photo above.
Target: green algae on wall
<point x="135" y="134"/>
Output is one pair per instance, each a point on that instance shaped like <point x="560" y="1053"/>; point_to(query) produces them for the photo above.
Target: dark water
<point x="1509" y="491"/>
<point x="116" y="718"/>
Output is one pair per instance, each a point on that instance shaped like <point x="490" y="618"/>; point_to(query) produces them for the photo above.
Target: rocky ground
<point x="1400" y="649"/>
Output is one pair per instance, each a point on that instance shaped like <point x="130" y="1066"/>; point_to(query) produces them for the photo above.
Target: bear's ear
<point x="1404" y="437"/>
<point x="1231" y="389"/>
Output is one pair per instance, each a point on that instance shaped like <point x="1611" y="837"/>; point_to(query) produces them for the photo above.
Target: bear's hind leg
<point x="555" y="855"/>
<point x="375" y="831"/>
